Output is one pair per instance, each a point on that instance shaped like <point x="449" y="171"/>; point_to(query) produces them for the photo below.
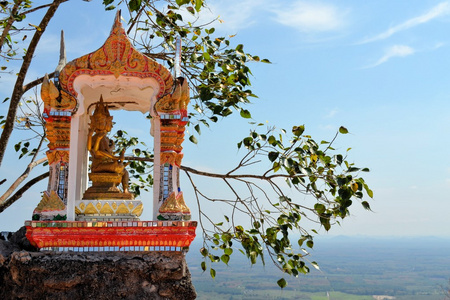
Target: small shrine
<point x="87" y="205"/>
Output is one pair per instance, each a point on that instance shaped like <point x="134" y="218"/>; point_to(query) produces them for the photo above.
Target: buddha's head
<point x="101" y="120"/>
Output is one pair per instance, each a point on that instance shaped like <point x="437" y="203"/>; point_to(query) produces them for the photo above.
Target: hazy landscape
<point x="350" y="268"/>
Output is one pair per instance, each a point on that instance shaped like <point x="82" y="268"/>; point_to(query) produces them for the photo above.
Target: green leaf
<point x="282" y="283"/>
<point x="368" y="191"/>
<point x="204" y="251"/>
<point x="319" y="208"/>
<point x="298" y="130"/>
<point x="192" y="11"/>
<point x="182" y="2"/>
<point x="325" y="221"/>
<point x="197" y="128"/>
<point x="198" y="4"/>
<point x="228" y="251"/>
<point x="245" y="114"/>
<point x="366" y="205"/>
<point x="272" y="140"/>
<point x="248" y="141"/>
<point x="315" y="265"/>
<point x="310" y="244"/>
<point x="273" y="155"/>
<point x="203" y="265"/>
<point x="213" y="273"/>
<point x="226" y="112"/>
<point x="134" y="5"/>
<point x="343" y="130"/>
<point x="111" y="7"/>
<point x="225" y="258"/>
<point x="276" y="166"/>
<point x="17" y="146"/>
<point x="193" y="139"/>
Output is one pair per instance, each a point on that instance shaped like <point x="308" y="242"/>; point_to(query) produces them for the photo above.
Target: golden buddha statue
<point x="107" y="170"/>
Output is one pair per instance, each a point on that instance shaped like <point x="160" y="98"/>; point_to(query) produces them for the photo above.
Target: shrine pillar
<point x="78" y="175"/>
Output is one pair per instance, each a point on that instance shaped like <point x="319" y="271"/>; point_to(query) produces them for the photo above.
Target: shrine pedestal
<point x="111" y="236"/>
<point x="104" y="186"/>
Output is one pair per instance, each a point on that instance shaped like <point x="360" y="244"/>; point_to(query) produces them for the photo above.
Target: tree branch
<point x="222" y="176"/>
<point x="9" y="23"/>
<point x="36" y="82"/>
<point x="39" y="7"/>
<point x="19" y="180"/>
<point x="18" y="87"/>
<point x="22" y="190"/>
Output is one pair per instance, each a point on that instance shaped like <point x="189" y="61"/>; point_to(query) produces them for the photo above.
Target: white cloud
<point x="310" y="17"/>
<point x="304" y="15"/>
<point x="438" y="45"/>
<point x="233" y="17"/>
<point x="331" y="113"/>
<point x="394" y="51"/>
<point x="439" y="10"/>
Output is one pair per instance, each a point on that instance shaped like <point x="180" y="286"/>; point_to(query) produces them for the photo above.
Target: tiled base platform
<point x="111" y="235"/>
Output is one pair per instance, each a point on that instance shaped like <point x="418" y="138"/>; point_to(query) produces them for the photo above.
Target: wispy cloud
<point x="309" y="16"/>
<point x="306" y="16"/>
<point x="232" y="17"/>
<point x="394" y="51"/>
<point x="439" y="10"/>
<point x="331" y="113"/>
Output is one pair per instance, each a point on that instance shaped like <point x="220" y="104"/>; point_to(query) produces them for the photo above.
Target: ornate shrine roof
<point x="116" y="57"/>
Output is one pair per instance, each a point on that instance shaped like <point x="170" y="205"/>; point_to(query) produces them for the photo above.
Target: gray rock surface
<point x="26" y="274"/>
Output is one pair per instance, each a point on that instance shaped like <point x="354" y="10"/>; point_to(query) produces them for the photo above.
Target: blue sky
<point x="379" y="68"/>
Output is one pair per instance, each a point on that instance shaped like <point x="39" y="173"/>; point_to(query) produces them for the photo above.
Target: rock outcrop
<point x="27" y="274"/>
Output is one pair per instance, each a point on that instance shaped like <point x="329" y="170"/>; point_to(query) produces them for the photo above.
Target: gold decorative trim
<point x="50" y="202"/>
<point x="109" y="207"/>
<point x="174" y="204"/>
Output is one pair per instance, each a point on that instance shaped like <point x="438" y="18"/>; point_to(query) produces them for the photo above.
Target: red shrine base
<point x="111" y="236"/>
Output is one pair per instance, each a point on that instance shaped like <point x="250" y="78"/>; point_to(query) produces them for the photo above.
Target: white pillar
<point x="156" y="165"/>
<point x="78" y="162"/>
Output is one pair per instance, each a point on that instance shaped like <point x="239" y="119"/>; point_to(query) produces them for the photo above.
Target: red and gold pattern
<point x="58" y="133"/>
<point x="116" y="57"/>
<point x="57" y="156"/>
<point x="110" y="234"/>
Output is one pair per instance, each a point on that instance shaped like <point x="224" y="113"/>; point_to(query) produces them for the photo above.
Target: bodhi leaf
<point x="282" y="283"/>
<point x="245" y="114"/>
<point x="343" y="130"/>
